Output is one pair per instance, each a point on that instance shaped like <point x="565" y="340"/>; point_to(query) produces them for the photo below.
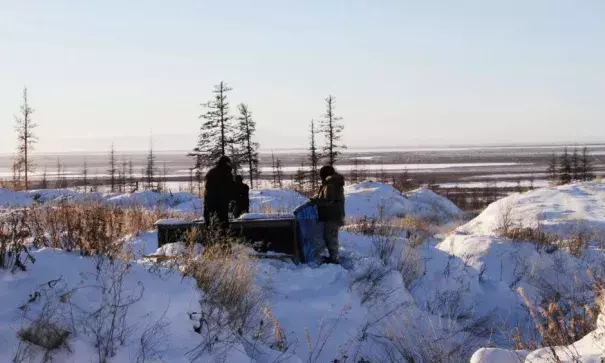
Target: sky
<point x="404" y="73"/>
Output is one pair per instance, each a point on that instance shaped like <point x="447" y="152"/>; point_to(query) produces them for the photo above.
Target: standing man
<point x="242" y="197"/>
<point x="330" y="202"/>
<point x="218" y="193"/>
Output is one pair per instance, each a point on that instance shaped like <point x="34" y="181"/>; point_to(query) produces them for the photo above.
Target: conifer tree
<point x="279" y="174"/>
<point x="150" y="169"/>
<point x="313" y="160"/>
<point x="249" y="149"/>
<point x="553" y="171"/>
<point x="112" y="170"/>
<point x="565" y="169"/>
<point x="216" y="133"/>
<point x="85" y="175"/>
<point x="332" y="129"/>
<point x="25" y="138"/>
<point x="587" y="167"/>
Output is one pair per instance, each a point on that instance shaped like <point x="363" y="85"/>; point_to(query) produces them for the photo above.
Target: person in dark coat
<point x="330" y="202"/>
<point x="219" y="192"/>
<point x="242" y="197"/>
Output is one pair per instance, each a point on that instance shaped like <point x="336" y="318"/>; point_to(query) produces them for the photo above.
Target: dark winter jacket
<point x="218" y="193"/>
<point x="242" y="199"/>
<point x="330" y="200"/>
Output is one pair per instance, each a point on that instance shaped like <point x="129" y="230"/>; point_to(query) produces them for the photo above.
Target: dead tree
<point x="25" y="137"/>
<point x="332" y="129"/>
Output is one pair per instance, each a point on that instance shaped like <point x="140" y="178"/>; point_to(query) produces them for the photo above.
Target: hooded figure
<point x="242" y="197"/>
<point x="330" y="202"/>
<point x="218" y="192"/>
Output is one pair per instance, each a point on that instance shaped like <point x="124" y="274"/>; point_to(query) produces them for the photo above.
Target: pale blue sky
<point x="403" y="72"/>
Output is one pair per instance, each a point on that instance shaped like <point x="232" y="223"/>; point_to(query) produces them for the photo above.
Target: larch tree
<point x="246" y="129"/>
<point x="552" y="170"/>
<point x="313" y="160"/>
<point x="565" y="168"/>
<point x="25" y="137"/>
<point x="112" y="170"/>
<point x="587" y="165"/>
<point x="332" y="128"/>
<point x="150" y="169"/>
<point x="216" y="133"/>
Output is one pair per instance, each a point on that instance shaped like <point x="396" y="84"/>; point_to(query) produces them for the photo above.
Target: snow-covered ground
<point x="440" y="301"/>
<point x="367" y="199"/>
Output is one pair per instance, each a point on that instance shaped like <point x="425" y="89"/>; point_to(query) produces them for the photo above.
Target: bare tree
<point x="313" y="160"/>
<point x="332" y="129"/>
<point x="216" y="133"/>
<point x="112" y="171"/>
<point x="245" y="132"/>
<point x="25" y="137"/>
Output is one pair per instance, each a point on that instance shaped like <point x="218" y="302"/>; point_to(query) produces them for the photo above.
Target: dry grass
<point x="91" y="228"/>
<point x="511" y="227"/>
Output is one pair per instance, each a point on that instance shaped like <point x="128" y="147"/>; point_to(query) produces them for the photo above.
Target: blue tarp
<point x="309" y="232"/>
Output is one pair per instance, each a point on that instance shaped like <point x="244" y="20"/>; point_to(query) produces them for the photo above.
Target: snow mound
<point x="589" y="349"/>
<point x="275" y="200"/>
<point x="378" y="200"/>
<point x="563" y="210"/>
<point x="181" y="201"/>
<point x="178" y="202"/>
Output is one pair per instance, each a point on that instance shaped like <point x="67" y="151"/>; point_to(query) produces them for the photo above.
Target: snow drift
<point x="378" y="200"/>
